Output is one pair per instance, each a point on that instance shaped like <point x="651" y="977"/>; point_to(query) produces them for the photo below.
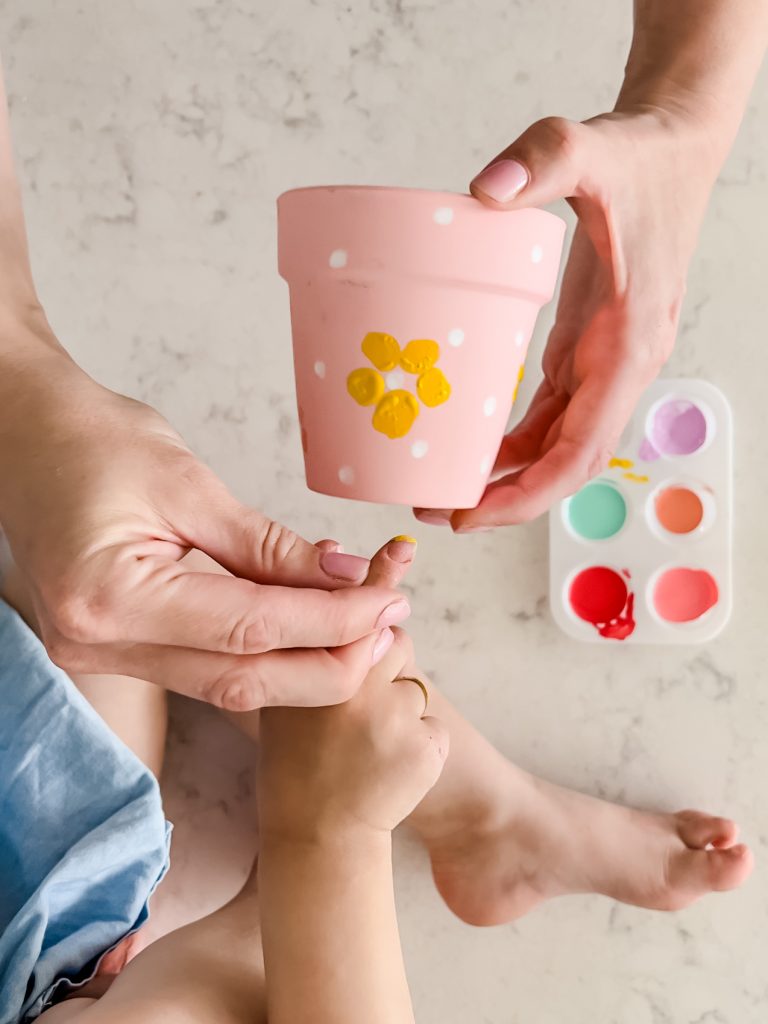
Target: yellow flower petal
<point x="433" y="387"/>
<point x="395" y="414"/>
<point x="419" y="355"/>
<point x="382" y="350"/>
<point x="366" y="386"/>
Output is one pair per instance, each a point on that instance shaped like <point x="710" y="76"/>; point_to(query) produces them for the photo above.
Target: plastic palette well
<point x="642" y="554"/>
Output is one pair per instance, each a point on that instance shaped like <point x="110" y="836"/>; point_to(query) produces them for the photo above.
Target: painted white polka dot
<point x="338" y="258"/>
<point x="320" y="369"/>
<point x="455" y="336"/>
<point x="347" y="475"/>
<point x="519" y="339"/>
<point x="394" y="380"/>
<point x="443" y="215"/>
<point x="419" y="449"/>
<point x="537" y="254"/>
<point x="485" y="464"/>
<point x="489" y="405"/>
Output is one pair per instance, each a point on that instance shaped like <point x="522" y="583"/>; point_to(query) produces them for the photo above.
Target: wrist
<point x="325" y="838"/>
<point x="694" y="132"/>
<point x="31" y="357"/>
<point x="695" y="63"/>
<point x="687" y="105"/>
<point x="41" y="390"/>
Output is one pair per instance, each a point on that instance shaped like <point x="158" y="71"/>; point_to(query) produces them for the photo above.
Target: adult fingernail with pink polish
<point x="502" y="181"/>
<point x="396" y="612"/>
<point x="384" y="641"/>
<point x="433" y="516"/>
<point x="349" y="568"/>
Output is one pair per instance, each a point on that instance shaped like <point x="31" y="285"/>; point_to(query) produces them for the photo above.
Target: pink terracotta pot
<point x="411" y="314"/>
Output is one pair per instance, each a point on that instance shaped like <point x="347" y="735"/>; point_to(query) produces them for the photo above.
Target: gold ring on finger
<point x="421" y="685"/>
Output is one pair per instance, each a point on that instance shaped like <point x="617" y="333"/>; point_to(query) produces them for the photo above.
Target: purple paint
<point x="647" y="452"/>
<point x="679" y="428"/>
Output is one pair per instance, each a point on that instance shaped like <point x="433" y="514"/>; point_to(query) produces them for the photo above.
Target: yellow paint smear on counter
<point x="620" y="464"/>
<point x="636" y="478"/>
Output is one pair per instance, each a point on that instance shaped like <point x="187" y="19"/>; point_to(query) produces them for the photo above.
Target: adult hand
<point x="101" y="500"/>
<point x="638" y="179"/>
<point x="639" y="182"/>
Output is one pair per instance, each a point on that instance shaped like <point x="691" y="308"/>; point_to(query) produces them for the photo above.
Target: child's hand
<point x="361" y="765"/>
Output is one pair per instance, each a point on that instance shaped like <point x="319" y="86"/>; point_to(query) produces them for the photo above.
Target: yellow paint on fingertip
<point x="636" y="478"/>
<point x="620" y="464"/>
<point x="405" y="539"/>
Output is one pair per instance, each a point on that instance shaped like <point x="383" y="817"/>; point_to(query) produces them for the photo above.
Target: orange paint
<point x="679" y="510"/>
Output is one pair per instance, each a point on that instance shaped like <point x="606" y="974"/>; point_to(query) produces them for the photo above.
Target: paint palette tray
<point x="642" y="554"/>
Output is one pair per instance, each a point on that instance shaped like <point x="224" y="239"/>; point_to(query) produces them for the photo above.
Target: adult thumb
<point x="250" y="545"/>
<point x="550" y="160"/>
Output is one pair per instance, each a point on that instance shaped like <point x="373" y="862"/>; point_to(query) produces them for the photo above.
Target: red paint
<point x="623" y="626"/>
<point x="600" y="596"/>
<point x="683" y="595"/>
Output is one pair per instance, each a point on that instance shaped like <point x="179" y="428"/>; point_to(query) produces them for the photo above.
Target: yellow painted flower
<point x="396" y="408"/>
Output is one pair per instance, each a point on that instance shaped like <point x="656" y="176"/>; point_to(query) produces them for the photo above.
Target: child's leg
<point x="135" y="710"/>
<point x="209" y="970"/>
<point x="502" y="840"/>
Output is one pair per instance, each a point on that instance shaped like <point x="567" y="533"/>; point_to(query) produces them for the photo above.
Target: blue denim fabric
<point x="83" y="838"/>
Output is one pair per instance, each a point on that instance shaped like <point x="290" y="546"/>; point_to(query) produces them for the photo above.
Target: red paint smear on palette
<point x="600" y="596"/>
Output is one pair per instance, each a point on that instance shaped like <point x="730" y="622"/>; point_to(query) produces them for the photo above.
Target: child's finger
<point x="329" y="545"/>
<point x="390" y="563"/>
<point x="438" y="742"/>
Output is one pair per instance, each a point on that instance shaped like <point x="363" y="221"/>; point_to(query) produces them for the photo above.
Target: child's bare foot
<point x="502" y="841"/>
<point x="555" y="841"/>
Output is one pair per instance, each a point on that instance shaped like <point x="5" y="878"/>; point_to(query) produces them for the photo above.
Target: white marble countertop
<point x="152" y="141"/>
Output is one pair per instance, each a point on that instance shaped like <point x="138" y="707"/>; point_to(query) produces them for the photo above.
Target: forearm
<point x="30" y="355"/>
<point x="331" y="944"/>
<point x="696" y="56"/>
<point x="17" y="291"/>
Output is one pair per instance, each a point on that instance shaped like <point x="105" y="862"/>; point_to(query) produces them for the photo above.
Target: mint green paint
<point x="598" y="511"/>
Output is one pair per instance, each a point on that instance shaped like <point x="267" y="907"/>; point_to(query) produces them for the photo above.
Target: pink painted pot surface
<point x="372" y="269"/>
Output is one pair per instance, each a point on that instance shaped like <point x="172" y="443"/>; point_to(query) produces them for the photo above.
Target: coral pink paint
<point x="683" y="595"/>
<point x="600" y="596"/>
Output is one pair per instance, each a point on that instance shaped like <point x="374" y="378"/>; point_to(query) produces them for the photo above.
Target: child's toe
<point x="699" y="830"/>
<point x="693" y="873"/>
